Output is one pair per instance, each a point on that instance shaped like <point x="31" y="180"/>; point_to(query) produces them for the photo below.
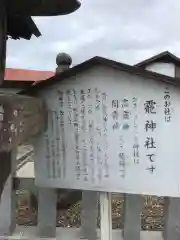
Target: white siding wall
<point x="162" y="68"/>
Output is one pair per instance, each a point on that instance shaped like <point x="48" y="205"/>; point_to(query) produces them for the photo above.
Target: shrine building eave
<point x="98" y="61"/>
<point x="19" y="12"/>
<point x="21" y="27"/>
<point x="42" y="8"/>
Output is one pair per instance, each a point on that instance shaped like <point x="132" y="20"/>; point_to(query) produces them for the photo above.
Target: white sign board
<point x="116" y="137"/>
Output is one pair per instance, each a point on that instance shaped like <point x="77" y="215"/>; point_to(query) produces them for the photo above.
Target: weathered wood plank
<point x="22" y="117"/>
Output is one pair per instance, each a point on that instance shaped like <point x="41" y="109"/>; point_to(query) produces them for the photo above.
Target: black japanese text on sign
<point x="150" y="129"/>
<point x="136" y="145"/>
<point x="167" y="106"/>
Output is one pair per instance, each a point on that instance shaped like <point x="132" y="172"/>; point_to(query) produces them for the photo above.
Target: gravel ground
<point x="151" y="217"/>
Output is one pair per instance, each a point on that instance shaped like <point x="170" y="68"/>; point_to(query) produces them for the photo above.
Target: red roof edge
<point x="24" y="75"/>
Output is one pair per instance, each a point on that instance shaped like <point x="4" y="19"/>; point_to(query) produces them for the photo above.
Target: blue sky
<point x="126" y="31"/>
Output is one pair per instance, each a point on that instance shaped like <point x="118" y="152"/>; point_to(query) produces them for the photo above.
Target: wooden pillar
<point x="2" y="39"/>
<point x="8" y="197"/>
<point x="5" y="157"/>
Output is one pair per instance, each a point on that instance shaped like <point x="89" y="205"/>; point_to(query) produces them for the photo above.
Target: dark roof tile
<point x="100" y="61"/>
<point x="165" y="57"/>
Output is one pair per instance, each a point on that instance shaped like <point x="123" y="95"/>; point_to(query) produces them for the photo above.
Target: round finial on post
<point x="63" y="61"/>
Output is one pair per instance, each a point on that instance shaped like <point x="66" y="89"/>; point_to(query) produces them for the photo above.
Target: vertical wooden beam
<point x="2" y="39"/>
<point x="3" y="177"/>
<point x="47" y="199"/>
<point x="106" y="216"/>
<point x="172" y="219"/>
<point x="89" y="214"/>
<point x="6" y="205"/>
<point x="8" y="198"/>
<point x="132" y="216"/>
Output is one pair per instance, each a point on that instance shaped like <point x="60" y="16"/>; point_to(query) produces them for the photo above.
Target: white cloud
<point x="73" y="45"/>
<point x="127" y="31"/>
